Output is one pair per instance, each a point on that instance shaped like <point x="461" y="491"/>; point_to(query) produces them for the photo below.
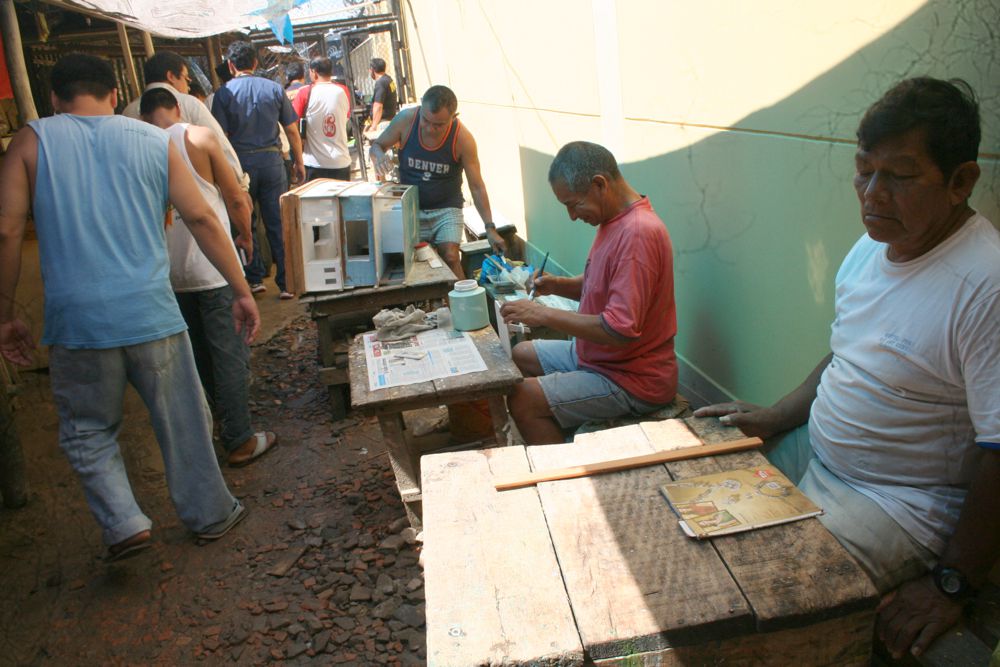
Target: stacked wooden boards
<point x="596" y="569"/>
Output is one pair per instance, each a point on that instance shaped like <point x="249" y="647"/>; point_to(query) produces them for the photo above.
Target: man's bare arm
<point x="391" y="136"/>
<point x="295" y="148"/>
<point x="469" y="156"/>
<point x="789" y="412"/>
<point x="16" y="343"/>
<point x="238" y="202"/>
<point x="212" y="240"/>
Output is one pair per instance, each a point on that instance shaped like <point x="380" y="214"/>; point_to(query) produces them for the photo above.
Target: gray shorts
<point x="578" y="395"/>
<point x="442" y="225"/>
<point x="886" y="552"/>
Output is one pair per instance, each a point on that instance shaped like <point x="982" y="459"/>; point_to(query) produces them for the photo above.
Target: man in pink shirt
<point x="622" y="360"/>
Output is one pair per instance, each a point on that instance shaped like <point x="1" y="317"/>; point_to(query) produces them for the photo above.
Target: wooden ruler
<point x="626" y="463"/>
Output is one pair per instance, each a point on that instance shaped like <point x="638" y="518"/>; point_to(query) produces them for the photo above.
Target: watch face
<point x="951" y="582"/>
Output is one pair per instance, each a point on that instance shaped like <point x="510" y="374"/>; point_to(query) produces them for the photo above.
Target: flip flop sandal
<point x="261" y="447"/>
<point x="125" y="549"/>
<point x="220" y="529"/>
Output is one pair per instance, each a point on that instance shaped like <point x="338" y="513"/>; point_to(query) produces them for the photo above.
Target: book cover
<point x="737" y="500"/>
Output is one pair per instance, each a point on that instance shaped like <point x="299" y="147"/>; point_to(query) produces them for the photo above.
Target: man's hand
<point x="541" y="283"/>
<point x="914" y="615"/>
<point x="525" y="311"/>
<point x="381" y="161"/>
<point x="497" y="245"/>
<point x="753" y="420"/>
<point x="16" y="343"/>
<point x="246" y="244"/>
<point x="246" y="317"/>
<point x="298" y="173"/>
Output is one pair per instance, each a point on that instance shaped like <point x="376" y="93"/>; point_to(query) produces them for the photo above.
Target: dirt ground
<point x="325" y="567"/>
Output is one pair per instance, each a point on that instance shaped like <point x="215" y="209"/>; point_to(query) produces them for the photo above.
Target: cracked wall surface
<point x="737" y="119"/>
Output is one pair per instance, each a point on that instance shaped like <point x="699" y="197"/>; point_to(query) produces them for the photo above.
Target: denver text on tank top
<point x="436" y="171"/>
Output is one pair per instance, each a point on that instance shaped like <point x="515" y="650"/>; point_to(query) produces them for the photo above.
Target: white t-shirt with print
<point x="915" y="379"/>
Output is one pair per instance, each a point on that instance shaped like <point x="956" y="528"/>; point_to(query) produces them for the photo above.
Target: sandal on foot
<point x="218" y="530"/>
<point x="129" y="547"/>
<point x="285" y="296"/>
<point x="264" y="441"/>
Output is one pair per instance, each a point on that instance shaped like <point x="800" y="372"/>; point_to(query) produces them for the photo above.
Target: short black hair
<point x="222" y="70"/>
<point x="947" y="111"/>
<point x="377" y="65"/>
<point x="242" y="55"/>
<point x="578" y="162"/>
<point x="155" y="69"/>
<point x="82" y="74"/>
<point x="156" y="98"/>
<point x="438" y="97"/>
<point x="295" y="71"/>
<point x="322" y="66"/>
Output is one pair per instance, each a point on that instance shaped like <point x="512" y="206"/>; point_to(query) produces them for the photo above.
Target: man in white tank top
<point x="203" y="295"/>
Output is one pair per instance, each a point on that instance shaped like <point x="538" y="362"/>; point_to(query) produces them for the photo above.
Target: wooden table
<point x="405" y="450"/>
<point x="334" y="312"/>
<point x="596" y="570"/>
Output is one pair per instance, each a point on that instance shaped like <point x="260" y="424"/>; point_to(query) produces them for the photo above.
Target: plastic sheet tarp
<point x="197" y="18"/>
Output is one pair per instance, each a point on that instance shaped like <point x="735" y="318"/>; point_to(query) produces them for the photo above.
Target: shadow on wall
<point x="762" y="214"/>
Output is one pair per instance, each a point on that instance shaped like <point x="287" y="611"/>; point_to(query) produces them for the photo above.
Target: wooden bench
<point x="596" y="570"/>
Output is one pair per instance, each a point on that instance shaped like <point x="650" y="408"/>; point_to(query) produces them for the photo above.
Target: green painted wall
<point x="761" y="218"/>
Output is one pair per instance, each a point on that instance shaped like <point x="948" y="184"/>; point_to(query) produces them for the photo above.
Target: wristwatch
<point x="951" y="582"/>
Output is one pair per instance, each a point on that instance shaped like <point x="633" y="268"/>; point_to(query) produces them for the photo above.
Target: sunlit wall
<point x="736" y="118"/>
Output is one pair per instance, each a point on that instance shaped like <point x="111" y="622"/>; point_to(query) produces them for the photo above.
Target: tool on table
<point x="531" y="297"/>
<point x="530" y="479"/>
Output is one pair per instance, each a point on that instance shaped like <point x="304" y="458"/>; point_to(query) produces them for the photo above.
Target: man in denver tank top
<point x="434" y="150"/>
<point x="98" y="186"/>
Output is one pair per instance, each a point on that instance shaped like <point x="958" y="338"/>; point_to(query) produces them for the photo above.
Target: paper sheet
<point x="399" y="362"/>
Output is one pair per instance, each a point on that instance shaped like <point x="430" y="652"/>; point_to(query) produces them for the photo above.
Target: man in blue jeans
<point x="221" y="354"/>
<point x="100" y="185"/>
<point x="249" y="108"/>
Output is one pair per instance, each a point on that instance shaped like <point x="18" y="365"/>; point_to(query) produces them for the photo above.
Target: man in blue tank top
<point x="100" y="187"/>
<point x="434" y="150"/>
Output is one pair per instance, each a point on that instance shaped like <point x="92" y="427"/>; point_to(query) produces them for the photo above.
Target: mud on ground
<point x="324" y="570"/>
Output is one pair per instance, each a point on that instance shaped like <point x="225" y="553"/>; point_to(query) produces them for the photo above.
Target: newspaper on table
<point x="427" y="356"/>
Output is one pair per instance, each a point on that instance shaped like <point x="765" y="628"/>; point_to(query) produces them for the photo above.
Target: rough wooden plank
<point x="332" y="376"/>
<point x="671" y="434"/>
<point x="492" y="585"/>
<point x="794" y="574"/>
<point x="841" y="642"/>
<point x="635" y="582"/>
<point x="404" y="462"/>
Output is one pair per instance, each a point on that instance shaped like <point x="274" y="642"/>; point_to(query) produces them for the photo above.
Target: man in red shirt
<point x="622" y="360"/>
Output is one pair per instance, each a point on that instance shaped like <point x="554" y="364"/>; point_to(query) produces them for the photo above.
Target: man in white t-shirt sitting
<point x="325" y="106"/>
<point x="896" y="433"/>
<point x="205" y="299"/>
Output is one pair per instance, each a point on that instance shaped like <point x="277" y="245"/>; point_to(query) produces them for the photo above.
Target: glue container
<point x="468" y="306"/>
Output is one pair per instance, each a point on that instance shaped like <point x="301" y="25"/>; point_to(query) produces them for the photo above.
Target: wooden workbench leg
<point x="324" y="338"/>
<point x="498" y="414"/>
<point x="405" y="464"/>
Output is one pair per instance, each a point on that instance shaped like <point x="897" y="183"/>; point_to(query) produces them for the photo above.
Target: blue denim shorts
<point x="442" y="225"/>
<point x="578" y="395"/>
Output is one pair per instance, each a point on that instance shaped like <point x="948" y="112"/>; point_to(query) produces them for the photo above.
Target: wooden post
<point x="15" y="62"/>
<point x="133" y="79"/>
<point x="212" y="52"/>
<point x="147" y="44"/>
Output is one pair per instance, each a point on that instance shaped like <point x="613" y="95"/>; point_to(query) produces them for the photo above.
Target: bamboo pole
<point x="133" y="78"/>
<point x="15" y="62"/>
<point x="147" y="44"/>
<point x="212" y="53"/>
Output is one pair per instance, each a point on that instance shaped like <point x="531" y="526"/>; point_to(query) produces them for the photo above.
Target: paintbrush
<point x="541" y="271"/>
